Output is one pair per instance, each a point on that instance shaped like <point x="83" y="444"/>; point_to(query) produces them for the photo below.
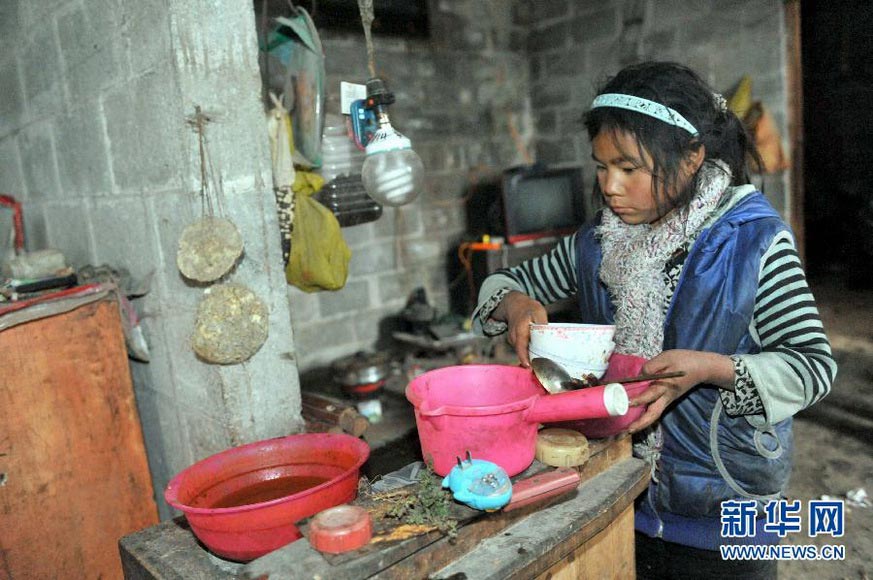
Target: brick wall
<point x="575" y="44"/>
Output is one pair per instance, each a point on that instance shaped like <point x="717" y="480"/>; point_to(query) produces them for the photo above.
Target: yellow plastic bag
<point x="319" y="258"/>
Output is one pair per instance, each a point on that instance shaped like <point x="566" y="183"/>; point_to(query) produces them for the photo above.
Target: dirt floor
<point x="834" y="439"/>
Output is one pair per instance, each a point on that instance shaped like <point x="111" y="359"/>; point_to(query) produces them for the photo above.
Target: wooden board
<point x="71" y="450"/>
<point x="607" y="555"/>
<point x="171" y="551"/>
<point x="603" y="454"/>
<point x="553" y="535"/>
<point x="417" y="555"/>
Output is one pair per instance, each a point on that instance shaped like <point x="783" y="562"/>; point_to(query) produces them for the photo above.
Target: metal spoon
<point x="555" y="379"/>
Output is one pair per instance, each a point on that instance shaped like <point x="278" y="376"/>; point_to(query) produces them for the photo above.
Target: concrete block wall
<point x="575" y="44"/>
<point x="459" y="96"/>
<point x="94" y="141"/>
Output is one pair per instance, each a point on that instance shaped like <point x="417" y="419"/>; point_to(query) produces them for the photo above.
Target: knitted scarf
<point x="635" y="256"/>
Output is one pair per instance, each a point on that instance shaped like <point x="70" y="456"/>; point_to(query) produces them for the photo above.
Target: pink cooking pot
<point x="493" y="412"/>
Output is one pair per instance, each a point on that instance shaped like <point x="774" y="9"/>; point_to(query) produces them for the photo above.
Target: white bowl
<point x="578" y="343"/>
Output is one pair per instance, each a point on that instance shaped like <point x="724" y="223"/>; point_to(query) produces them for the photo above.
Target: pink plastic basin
<point x="493" y="412"/>
<point x="620" y="366"/>
<point x="248" y="531"/>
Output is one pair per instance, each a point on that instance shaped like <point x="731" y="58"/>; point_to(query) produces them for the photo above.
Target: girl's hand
<point x="699" y="367"/>
<point x="519" y="310"/>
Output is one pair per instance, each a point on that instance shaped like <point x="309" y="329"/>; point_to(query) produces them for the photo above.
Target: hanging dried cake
<point x="208" y="249"/>
<point x="232" y="324"/>
<point x="210" y="246"/>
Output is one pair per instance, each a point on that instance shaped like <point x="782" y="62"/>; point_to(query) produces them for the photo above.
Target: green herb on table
<point x="429" y="505"/>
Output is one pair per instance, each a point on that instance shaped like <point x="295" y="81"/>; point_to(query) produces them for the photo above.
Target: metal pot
<point x="362" y="372"/>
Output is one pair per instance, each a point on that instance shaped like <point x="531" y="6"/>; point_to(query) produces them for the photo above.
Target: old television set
<point x="538" y="201"/>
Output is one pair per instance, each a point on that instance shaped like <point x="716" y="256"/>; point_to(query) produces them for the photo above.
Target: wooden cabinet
<point x="73" y="472"/>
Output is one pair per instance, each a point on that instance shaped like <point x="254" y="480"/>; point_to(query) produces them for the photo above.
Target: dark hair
<point x="676" y="86"/>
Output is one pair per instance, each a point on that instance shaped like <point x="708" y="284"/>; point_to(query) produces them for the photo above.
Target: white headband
<point x="644" y="106"/>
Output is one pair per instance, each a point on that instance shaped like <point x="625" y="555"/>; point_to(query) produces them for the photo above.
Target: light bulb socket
<point x="378" y="94"/>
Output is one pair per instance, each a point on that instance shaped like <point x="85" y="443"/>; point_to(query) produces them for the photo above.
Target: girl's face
<point x="624" y="179"/>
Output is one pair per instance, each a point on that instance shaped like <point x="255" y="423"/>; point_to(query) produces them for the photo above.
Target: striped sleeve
<point x="795" y="367"/>
<point x="547" y="278"/>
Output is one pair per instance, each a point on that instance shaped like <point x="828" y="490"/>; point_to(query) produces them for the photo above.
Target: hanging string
<point x="198" y="121"/>
<point x="366" y="9"/>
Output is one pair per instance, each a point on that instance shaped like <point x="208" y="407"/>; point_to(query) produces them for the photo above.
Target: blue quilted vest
<point x="707" y="456"/>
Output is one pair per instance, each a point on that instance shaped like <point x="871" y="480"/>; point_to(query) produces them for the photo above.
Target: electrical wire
<point x="366" y="9"/>
<point x="17" y="220"/>
<point x="465" y="256"/>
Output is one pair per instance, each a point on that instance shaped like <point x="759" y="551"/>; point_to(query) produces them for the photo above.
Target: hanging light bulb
<point x="393" y="173"/>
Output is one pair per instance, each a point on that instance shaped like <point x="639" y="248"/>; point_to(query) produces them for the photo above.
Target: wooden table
<point x="585" y="533"/>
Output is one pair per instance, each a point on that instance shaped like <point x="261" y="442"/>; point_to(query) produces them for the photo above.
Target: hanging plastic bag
<point x="294" y="48"/>
<point x="319" y="257"/>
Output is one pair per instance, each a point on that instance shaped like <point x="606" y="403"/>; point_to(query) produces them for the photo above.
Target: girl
<point x="699" y="274"/>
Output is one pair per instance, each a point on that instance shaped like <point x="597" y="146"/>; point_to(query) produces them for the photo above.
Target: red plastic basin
<point x="243" y="503"/>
